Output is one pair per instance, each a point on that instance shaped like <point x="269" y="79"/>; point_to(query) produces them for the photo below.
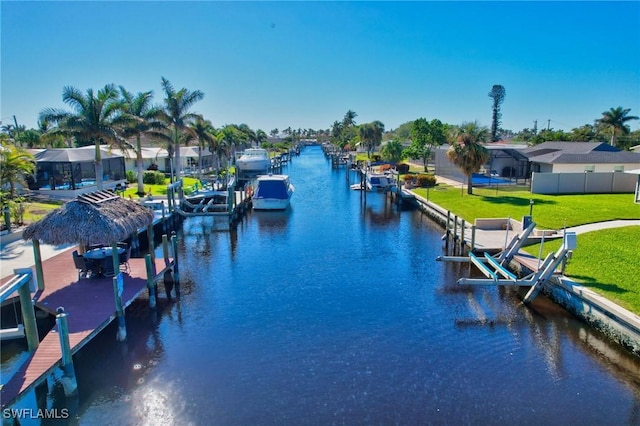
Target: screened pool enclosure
<point x="73" y="169"/>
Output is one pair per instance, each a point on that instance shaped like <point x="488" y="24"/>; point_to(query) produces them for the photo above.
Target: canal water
<point x="336" y="312"/>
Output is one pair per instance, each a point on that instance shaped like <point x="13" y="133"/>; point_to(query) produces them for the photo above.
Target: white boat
<point x="377" y="181"/>
<point x="253" y="160"/>
<point x="272" y="192"/>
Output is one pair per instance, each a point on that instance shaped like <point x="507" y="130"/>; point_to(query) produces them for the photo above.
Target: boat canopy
<point x="272" y="189"/>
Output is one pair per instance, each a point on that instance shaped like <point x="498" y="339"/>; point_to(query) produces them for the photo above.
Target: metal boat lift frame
<point x="499" y="275"/>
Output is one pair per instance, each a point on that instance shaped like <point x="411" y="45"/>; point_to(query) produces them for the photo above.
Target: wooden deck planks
<point x="90" y="306"/>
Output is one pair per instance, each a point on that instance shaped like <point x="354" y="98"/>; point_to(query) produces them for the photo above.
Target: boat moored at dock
<point x="253" y="160"/>
<point x="272" y="192"/>
<point x="377" y="181"/>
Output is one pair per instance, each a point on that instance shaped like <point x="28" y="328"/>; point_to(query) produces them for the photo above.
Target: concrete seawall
<point x="619" y="324"/>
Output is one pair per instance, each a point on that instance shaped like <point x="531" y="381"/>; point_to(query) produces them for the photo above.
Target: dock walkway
<point x="89" y="304"/>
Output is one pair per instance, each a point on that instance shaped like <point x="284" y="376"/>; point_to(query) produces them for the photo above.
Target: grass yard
<point x="159" y="190"/>
<point x="604" y="261"/>
<point x="549" y="211"/>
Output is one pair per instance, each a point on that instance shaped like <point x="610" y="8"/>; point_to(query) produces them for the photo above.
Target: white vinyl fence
<point x="582" y="183"/>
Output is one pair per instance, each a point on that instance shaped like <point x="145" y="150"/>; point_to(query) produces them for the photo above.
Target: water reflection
<point x="273" y="222"/>
<point x="379" y="210"/>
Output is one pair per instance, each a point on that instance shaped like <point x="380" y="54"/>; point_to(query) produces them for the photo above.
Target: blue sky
<point x="304" y="64"/>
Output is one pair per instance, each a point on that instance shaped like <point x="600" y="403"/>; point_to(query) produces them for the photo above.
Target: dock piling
<point x="69" y="382"/>
<point x="176" y="275"/>
<point x="28" y="317"/>
<point x="151" y="283"/>
<point x="165" y="249"/>
<point x="118" y="287"/>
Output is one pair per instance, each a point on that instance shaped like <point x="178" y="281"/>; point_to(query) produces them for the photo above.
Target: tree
<point x="249" y="134"/>
<point x="365" y="132"/>
<point x="392" y="151"/>
<point x="336" y="133"/>
<point x="424" y="136"/>
<point x="203" y="131"/>
<point x="261" y="137"/>
<point x="403" y="131"/>
<point x="615" y="120"/>
<point x="377" y="131"/>
<point x="140" y="118"/>
<point x="92" y="120"/>
<point x="467" y="152"/>
<point x="585" y="133"/>
<point x="177" y="116"/>
<point x="228" y="138"/>
<point x="29" y="138"/>
<point x="15" y="165"/>
<point x="349" y="119"/>
<point x="497" y="93"/>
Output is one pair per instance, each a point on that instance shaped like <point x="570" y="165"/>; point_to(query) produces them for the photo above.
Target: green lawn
<point x="549" y="211"/>
<point x="132" y="190"/>
<point x="605" y="261"/>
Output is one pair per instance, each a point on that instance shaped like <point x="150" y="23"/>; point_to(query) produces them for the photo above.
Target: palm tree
<point x="261" y="137"/>
<point x="91" y="121"/>
<point x="616" y="119"/>
<point x="378" y="130"/>
<point x="365" y="132"/>
<point x="249" y="134"/>
<point x="349" y="119"/>
<point x="228" y="138"/>
<point x="203" y="131"/>
<point x="140" y="118"/>
<point x="467" y="152"/>
<point x="177" y="116"/>
<point x="15" y="165"/>
<point x="392" y="151"/>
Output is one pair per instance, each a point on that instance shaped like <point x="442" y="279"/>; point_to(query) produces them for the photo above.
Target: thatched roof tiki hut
<point x="100" y="217"/>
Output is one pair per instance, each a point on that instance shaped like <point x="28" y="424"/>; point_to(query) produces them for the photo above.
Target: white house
<point x="156" y="156"/>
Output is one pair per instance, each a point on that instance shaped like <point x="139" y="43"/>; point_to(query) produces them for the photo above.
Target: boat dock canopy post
<point x="38" y="262"/>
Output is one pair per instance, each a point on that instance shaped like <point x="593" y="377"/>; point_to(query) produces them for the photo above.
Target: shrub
<point x="132" y="177"/>
<point x="426" y="180"/>
<point x="409" y="177"/>
<point x="17" y="210"/>
<point x="151" y="177"/>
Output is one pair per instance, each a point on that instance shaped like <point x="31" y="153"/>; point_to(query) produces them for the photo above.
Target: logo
<point x="32" y="413"/>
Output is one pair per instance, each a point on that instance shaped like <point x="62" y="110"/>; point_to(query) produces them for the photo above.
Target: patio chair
<point x="124" y="259"/>
<point x="107" y="267"/>
<point x="84" y="266"/>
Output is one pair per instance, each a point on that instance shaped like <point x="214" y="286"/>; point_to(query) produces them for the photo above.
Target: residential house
<point x="567" y="157"/>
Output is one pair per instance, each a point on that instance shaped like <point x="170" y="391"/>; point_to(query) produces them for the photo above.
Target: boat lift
<point x="496" y="273"/>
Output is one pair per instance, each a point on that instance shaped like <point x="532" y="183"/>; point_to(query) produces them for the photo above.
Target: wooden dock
<point x="90" y="306"/>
